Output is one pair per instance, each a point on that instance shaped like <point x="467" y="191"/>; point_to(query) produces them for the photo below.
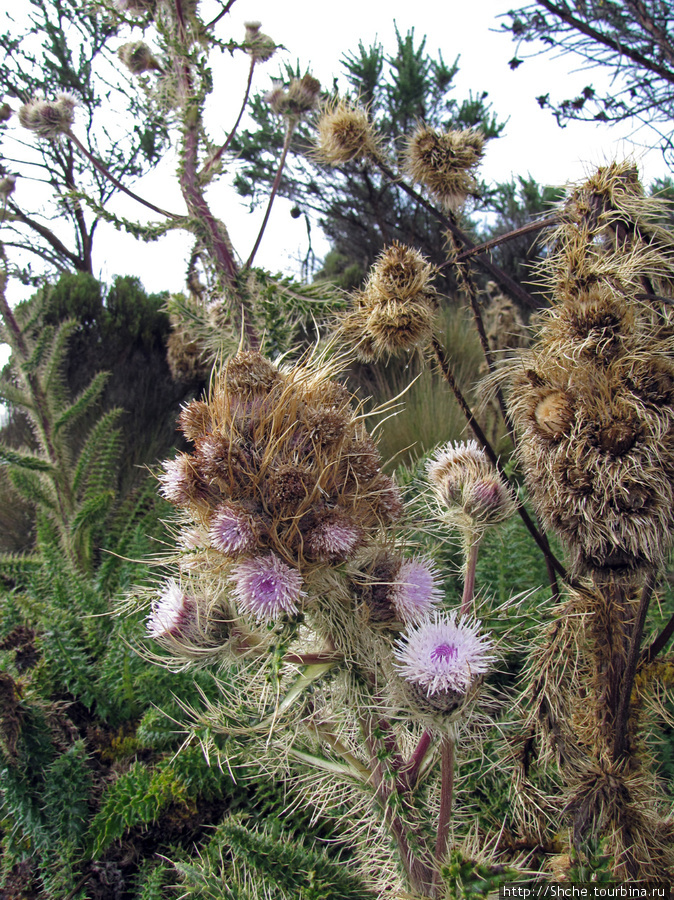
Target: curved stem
<point x="274" y="189"/>
<point x="118" y="184"/>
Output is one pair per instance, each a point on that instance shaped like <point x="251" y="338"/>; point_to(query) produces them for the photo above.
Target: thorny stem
<point x="449" y="222"/>
<point x="660" y="642"/>
<point x="410" y="772"/>
<point x="274" y="188"/>
<point x="98" y="165"/>
<point x="420" y="875"/>
<point x="214" y="233"/>
<point x="620" y="747"/>
<point x="218" y="153"/>
<point x="555" y="565"/>
<point x="509" y="236"/>
<point x="446" y="797"/>
<point x="223" y="12"/>
<point x="469" y="581"/>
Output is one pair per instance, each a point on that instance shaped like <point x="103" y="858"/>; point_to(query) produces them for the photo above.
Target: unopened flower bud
<point x="258" y="45"/>
<point x="299" y="98"/>
<point x="138" y="58"/>
<point x="5" y="112"/>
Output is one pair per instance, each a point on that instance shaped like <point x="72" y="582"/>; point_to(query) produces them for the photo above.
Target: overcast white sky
<point x="317" y="35"/>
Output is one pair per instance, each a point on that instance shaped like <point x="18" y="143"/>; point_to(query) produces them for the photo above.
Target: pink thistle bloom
<point x="444" y="654"/>
<point x="266" y="587"/>
<point x="415" y="591"/>
<point x="171" y="613"/>
<point x="232" y="531"/>
<point x="174" y="480"/>
<point x="334" y="539"/>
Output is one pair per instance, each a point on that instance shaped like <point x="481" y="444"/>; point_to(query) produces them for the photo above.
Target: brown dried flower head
<point x="395" y="312"/>
<point x="592" y="401"/>
<point x="265" y="478"/>
<point x="49" y="118"/>
<point x="7" y="186"/>
<point x="138" y="58"/>
<point x="444" y="162"/>
<point x="259" y="46"/>
<point x="345" y="134"/>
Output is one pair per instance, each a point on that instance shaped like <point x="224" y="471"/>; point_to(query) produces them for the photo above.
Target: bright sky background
<point x="317" y="35"/>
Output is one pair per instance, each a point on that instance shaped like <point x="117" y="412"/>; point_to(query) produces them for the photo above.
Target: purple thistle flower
<point x="266" y="587"/>
<point x="443" y="654"/>
<point x="171" y="613"/>
<point x="415" y="591"/>
<point x="232" y="531"/>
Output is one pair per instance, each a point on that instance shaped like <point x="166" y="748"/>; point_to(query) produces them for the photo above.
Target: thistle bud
<point x="258" y="45"/>
<point x="48" y="118"/>
<point x="5" y="112"/>
<point x="138" y="58"/>
<point x="298" y="99"/>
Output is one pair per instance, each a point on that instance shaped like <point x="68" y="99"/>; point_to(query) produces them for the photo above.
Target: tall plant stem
<point x="469" y="580"/>
<point x="210" y="230"/>
<point x="410" y="772"/>
<point x="446" y="798"/>
<point x="620" y="745"/>
<point x="223" y="149"/>
<point x="274" y="189"/>
<point x="555" y="565"/>
<point x="450" y="223"/>
<point x="98" y="165"/>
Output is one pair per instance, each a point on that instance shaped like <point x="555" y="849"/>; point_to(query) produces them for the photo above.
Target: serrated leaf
<point x="92" y="511"/>
<point x="83" y="402"/>
<point x="24" y="460"/>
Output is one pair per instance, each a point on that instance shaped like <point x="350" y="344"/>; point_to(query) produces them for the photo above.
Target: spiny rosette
<point x="395" y="313"/>
<point x="442" y="658"/>
<point x="284" y="480"/>
<point x="592" y="401"/>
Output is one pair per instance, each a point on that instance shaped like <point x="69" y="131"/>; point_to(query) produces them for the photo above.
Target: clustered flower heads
<point x="593" y="400"/>
<point x="395" y="312"/>
<point x="442" y="658"/>
<point x="298" y="99"/>
<point x="284" y="480"/>
<point x="49" y="118"/>
<point x="468" y="488"/>
<point x="444" y="162"/>
<point x="345" y="134"/>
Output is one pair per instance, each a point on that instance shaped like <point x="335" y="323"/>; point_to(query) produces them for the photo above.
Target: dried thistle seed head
<point x="443" y="162"/>
<point x="195" y="419"/>
<point x="250" y="375"/>
<point x="401" y="273"/>
<point x="398" y="328"/>
<point x="345" y="134"/>
<point x="503" y="323"/>
<point x="138" y="58"/>
<point x="288" y="487"/>
<point x="5" y="112"/>
<point x="260" y="47"/>
<point x="187" y="357"/>
<point x="49" y="118"/>
<point x="553" y="414"/>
